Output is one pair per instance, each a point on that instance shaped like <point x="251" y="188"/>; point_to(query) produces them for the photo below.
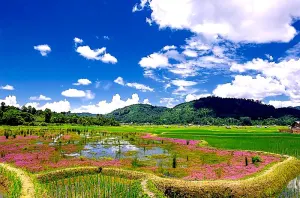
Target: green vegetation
<point x="93" y="186"/>
<point x="209" y="111"/>
<point x="13" y="116"/>
<point x="11" y="182"/>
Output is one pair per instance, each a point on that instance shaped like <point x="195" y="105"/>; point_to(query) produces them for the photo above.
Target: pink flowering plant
<point x="166" y="157"/>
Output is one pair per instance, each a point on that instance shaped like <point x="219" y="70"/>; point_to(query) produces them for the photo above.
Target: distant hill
<point x="204" y="110"/>
<point x="138" y="113"/>
<point x="298" y="108"/>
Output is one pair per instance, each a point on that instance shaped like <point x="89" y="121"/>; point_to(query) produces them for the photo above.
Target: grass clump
<point x="11" y="182"/>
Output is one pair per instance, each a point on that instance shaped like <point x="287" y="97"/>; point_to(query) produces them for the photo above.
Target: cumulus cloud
<point x="43" y="49"/>
<point x="75" y="93"/>
<point x="10" y="101"/>
<point x="169" y="47"/>
<point x="83" y="82"/>
<point x="40" y="98"/>
<point x="104" y="107"/>
<point x="169" y="102"/>
<point x="281" y="104"/>
<point x="250" y="88"/>
<point x="191" y="97"/>
<point x="138" y="86"/>
<point x="78" y="40"/>
<point x="154" y="61"/>
<point x="286" y="72"/>
<point x="240" y="21"/>
<point x="60" y="106"/>
<point x="107" y="58"/>
<point x="7" y="87"/>
<point x="146" y="101"/>
<point x="96" y="54"/>
<point x="190" y="53"/>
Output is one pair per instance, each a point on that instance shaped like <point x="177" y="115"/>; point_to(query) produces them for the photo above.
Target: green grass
<point x="13" y="182"/>
<point x="242" y="138"/>
<point x="93" y="186"/>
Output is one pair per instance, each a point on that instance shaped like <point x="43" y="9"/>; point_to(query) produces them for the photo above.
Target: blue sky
<point x="97" y="56"/>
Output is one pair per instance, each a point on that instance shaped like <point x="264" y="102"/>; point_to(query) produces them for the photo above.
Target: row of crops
<point x="95" y="185"/>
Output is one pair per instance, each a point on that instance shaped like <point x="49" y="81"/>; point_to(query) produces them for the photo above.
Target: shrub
<point x="256" y="159"/>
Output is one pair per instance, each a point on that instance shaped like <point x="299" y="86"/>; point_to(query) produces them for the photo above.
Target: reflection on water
<point x="115" y="147"/>
<point x="292" y="190"/>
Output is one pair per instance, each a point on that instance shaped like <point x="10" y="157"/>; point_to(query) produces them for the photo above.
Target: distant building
<point x="296" y="127"/>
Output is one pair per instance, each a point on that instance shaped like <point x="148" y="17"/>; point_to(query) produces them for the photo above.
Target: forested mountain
<point x="139" y="113"/>
<point x="210" y="110"/>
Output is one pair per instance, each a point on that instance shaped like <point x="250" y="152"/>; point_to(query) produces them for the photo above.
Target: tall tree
<point x="48" y="115"/>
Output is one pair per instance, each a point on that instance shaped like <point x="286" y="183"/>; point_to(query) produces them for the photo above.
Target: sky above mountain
<point x="99" y="55"/>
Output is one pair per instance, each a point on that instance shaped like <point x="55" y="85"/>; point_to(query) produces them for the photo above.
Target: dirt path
<point x="146" y="190"/>
<point x="27" y="184"/>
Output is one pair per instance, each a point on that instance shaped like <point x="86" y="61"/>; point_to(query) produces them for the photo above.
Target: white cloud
<point x="89" y="95"/>
<point x="32" y="104"/>
<point x="141" y="87"/>
<point x="183" y="83"/>
<point x="78" y="40"/>
<point x="88" y="53"/>
<point x="39" y="98"/>
<point x="249" y="21"/>
<point x="251" y="88"/>
<point x="137" y="86"/>
<point x="96" y="54"/>
<point x="60" y="106"/>
<point x="191" y="97"/>
<point x="154" y="61"/>
<point x="169" y="47"/>
<point x="286" y="72"/>
<point x="43" y="49"/>
<point x="120" y="81"/>
<point x="74" y="93"/>
<point x="10" y="101"/>
<point x="293" y="52"/>
<point x="281" y="104"/>
<point x="107" y="58"/>
<point x="269" y="57"/>
<point x="168" y="102"/>
<point x="146" y="101"/>
<point x="190" y="53"/>
<point x="7" y="87"/>
<point x="83" y="82"/>
<point x="106" y="37"/>
<point x="104" y="107"/>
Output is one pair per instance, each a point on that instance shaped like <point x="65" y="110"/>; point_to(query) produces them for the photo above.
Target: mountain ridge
<point x="201" y="110"/>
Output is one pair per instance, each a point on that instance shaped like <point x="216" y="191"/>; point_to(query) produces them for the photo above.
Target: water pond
<point x="117" y="147"/>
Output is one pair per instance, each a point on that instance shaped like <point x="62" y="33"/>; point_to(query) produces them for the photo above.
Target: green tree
<point x="12" y="117"/>
<point x="48" y="115"/>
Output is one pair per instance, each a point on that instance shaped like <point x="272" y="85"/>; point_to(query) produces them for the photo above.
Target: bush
<point x="256" y="159"/>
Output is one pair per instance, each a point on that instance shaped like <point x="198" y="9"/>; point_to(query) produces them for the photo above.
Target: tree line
<point x="10" y="115"/>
